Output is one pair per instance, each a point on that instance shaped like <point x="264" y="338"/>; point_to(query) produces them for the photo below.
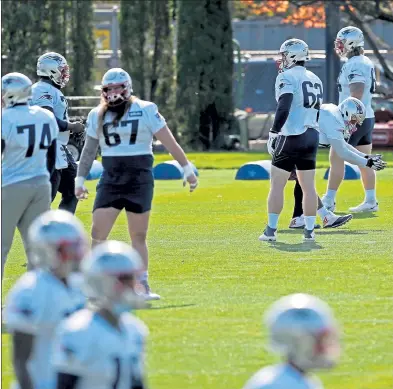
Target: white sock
<point x="310" y="222"/>
<point x="331" y="194"/>
<point x="144" y="276"/>
<point x="272" y="220"/>
<point x="371" y="196"/>
<point x="323" y="212"/>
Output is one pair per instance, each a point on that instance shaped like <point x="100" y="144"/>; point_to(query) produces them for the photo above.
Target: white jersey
<point x="282" y="377"/>
<point x="112" y="362"/>
<point x="307" y="92"/>
<point x="35" y="305"/>
<point x="47" y="95"/>
<point x="358" y="69"/>
<point x="331" y="124"/>
<point x="134" y="133"/>
<point x="27" y="132"/>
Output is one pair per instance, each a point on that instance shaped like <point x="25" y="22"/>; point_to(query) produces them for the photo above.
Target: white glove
<point x="375" y="162"/>
<point x="190" y="177"/>
<point x="271" y="143"/>
<point x="81" y="191"/>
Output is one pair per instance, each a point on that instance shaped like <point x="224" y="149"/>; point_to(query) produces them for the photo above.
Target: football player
<point x="336" y="125"/>
<point x="52" y="68"/>
<point x="28" y="144"/>
<point x="103" y="346"/>
<point x="124" y="126"/>
<point x="293" y="139"/>
<point x="304" y="332"/>
<point x="41" y="298"/>
<point x="356" y="79"/>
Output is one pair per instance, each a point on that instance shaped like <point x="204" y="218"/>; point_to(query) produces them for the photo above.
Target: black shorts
<point x="296" y="151"/>
<point x="127" y="182"/>
<point x="363" y="135"/>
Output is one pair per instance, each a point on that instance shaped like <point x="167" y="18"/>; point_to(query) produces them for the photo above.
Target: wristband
<point x="188" y="170"/>
<point x="79" y="181"/>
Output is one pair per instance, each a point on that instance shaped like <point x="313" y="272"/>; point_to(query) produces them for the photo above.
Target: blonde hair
<point x="103" y="109"/>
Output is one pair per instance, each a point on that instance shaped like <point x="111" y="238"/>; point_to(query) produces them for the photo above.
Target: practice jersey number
<point x="113" y="138"/>
<point x="312" y="95"/>
<point x="45" y="141"/>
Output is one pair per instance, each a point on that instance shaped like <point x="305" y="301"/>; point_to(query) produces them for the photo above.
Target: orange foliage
<point x="310" y="15"/>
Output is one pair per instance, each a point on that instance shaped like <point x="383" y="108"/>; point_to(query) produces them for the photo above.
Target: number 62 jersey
<point x="307" y="91"/>
<point x="134" y="133"/>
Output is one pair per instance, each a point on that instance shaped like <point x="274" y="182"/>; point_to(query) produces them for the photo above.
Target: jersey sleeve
<point x="72" y="350"/>
<point x="25" y="308"/>
<point x="284" y="84"/>
<point x="92" y="124"/>
<point x="155" y="121"/>
<point x="6" y="128"/>
<point x="356" y="74"/>
<point x="43" y="97"/>
<point x="54" y="127"/>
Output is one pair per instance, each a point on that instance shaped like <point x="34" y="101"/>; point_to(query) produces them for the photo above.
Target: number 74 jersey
<point x="132" y="135"/>
<point x="307" y="91"/>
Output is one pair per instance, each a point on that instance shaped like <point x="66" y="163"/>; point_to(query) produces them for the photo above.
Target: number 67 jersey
<point x="307" y="92"/>
<point x="132" y="136"/>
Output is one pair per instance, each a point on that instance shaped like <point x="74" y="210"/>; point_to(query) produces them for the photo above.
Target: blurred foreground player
<point x="103" y="346"/>
<point x="304" y="332"/>
<point x="43" y="297"/>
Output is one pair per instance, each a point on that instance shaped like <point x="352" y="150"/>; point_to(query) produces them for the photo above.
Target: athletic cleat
<point x="309" y="236"/>
<point x="334" y="221"/>
<point x="329" y="204"/>
<point x="269" y="235"/>
<point x="365" y="207"/>
<point x="147" y="294"/>
<point x="298" y="222"/>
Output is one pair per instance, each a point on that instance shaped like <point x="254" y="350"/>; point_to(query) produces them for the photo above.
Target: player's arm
<point x="357" y="81"/>
<point x="51" y="157"/>
<point x="67" y="381"/>
<point x="282" y="112"/>
<point x="344" y="152"/>
<point x="22" y="347"/>
<point x="67" y="126"/>
<point x="2" y="146"/>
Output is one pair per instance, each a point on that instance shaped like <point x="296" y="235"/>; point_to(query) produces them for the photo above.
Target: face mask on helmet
<point x="339" y="47"/>
<point x="64" y="76"/>
<point x="115" y="94"/>
<point x="327" y="349"/>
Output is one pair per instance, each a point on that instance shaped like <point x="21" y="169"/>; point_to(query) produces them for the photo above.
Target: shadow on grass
<point x="329" y="231"/>
<point x="365" y="215"/>
<point x="173" y="306"/>
<point x="304" y="247"/>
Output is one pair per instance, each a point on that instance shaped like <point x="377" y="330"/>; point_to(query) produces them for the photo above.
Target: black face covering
<point x="118" y="106"/>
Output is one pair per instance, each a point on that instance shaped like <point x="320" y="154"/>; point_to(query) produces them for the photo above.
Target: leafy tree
<point x="204" y="72"/>
<point x="82" y="46"/>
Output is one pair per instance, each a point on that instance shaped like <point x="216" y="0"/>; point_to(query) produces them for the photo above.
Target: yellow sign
<point x="103" y="39"/>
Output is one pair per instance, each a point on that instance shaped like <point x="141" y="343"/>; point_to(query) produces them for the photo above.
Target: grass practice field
<point x="216" y="279"/>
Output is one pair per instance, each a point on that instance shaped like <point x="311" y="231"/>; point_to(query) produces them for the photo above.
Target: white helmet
<point x="292" y="51"/>
<point x="302" y="328"/>
<point x="116" y="86"/>
<point x="54" y="66"/>
<point x="353" y="112"/>
<point x="348" y="38"/>
<point x="58" y="242"/>
<point x="15" y="89"/>
<point x="110" y="272"/>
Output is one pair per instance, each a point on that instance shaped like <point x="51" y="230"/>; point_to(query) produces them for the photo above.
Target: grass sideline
<point x="216" y="280"/>
<point x="233" y="160"/>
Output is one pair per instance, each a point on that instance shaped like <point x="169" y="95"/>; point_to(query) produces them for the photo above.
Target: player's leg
<point x="336" y="175"/>
<point x="138" y="205"/>
<point x="67" y="185"/>
<point x="14" y="200"/>
<point x="282" y="166"/>
<point x="39" y="204"/>
<point x="103" y="221"/>
<point x="329" y="219"/>
<point x="364" y="144"/>
<point x="297" y="216"/>
<point x="55" y="180"/>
